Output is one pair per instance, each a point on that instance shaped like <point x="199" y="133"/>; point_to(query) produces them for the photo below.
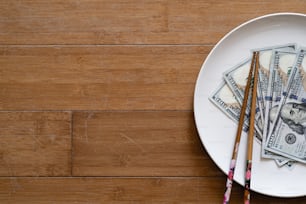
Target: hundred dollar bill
<point x="281" y="64"/>
<point x="288" y="131"/>
<point x="236" y="78"/>
<point x="264" y="65"/>
<point x="227" y="102"/>
<point x="265" y="58"/>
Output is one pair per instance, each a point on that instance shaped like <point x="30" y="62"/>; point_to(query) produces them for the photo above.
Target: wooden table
<point x="96" y="99"/>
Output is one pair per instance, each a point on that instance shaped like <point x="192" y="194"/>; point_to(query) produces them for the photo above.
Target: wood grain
<point x="112" y="190"/>
<point x="119" y="77"/>
<point x="141" y="143"/>
<point x="124" y="190"/>
<point x="129" y="21"/>
<point x="35" y="144"/>
<point x="99" y="77"/>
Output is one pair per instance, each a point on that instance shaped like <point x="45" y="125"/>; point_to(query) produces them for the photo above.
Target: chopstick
<point x="229" y="181"/>
<point x="247" y="184"/>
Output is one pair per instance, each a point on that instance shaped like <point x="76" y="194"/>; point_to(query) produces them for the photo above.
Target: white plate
<point x="217" y="132"/>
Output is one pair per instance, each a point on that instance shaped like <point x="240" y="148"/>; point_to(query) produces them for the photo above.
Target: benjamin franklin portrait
<point x="293" y="114"/>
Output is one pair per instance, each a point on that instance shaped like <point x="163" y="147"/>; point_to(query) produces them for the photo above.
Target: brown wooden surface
<point x="96" y="99"/>
<point x="129" y="21"/>
<point x="112" y="190"/>
<point x="35" y="144"/>
<point x="157" y="143"/>
<point x="99" y="77"/>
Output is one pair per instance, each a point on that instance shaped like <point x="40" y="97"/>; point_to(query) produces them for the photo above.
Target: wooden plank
<point x="113" y="190"/>
<point x="99" y="77"/>
<point x="125" y="190"/>
<point x="35" y="144"/>
<point x="129" y="21"/>
<point x="138" y="144"/>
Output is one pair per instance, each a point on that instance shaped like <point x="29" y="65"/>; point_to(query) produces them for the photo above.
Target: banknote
<point x="236" y="78"/>
<point x="265" y="58"/>
<point x="288" y="130"/>
<point x="264" y="66"/>
<point x="290" y="164"/>
<point x="280" y="115"/>
<point x="281" y="162"/>
<point x="281" y="64"/>
<point x="227" y="102"/>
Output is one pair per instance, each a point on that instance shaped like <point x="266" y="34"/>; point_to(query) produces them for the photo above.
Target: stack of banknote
<point x="280" y="117"/>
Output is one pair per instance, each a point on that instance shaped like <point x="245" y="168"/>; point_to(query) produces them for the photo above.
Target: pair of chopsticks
<point x="229" y="182"/>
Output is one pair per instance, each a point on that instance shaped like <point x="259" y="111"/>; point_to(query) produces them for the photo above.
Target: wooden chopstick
<point x="229" y="181"/>
<point x="247" y="184"/>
